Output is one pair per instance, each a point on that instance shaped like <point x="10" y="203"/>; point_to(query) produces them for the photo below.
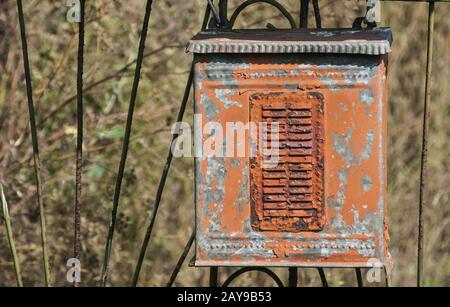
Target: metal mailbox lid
<point x="376" y="41"/>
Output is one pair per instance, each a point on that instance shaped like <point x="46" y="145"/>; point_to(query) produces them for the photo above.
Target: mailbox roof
<point x="376" y="41"/>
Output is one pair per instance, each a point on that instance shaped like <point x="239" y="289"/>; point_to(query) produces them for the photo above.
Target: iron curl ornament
<point x="274" y="3"/>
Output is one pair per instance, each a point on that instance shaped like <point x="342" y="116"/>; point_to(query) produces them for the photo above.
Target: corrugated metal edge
<point x="378" y="47"/>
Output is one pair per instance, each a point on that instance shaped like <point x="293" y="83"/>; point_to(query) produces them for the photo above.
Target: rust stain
<point x="332" y="210"/>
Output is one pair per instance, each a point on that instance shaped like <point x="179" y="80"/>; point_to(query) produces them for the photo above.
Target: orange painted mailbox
<point x="290" y="139"/>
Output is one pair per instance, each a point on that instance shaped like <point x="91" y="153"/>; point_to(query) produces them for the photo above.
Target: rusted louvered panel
<point x="287" y="193"/>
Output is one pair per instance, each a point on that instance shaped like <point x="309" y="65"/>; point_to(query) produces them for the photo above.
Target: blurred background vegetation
<point x="112" y="36"/>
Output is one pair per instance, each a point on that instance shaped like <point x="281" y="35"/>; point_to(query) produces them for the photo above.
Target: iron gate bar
<point x="126" y="142"/>
<point x="214" y="277"/>
<point x="9" y="234"/>
<point x="387" y="278"/>
<point x="215" y="12"/>
<point x="359" y="278"/>
<point x="168" y="164"/>
<point x="317" y="14"/>
<point x="304" y="11"/>
<point x="424" y="161"/>
<point x="79" y="149"/>
<point x="293" y="277"/>
<point x="240" y="272"/>
<point x="35" y="143"/>
<point x="223" y="12"/>
<point x="207" y="14"/>
<point x="323" y="277"/>
<point x="162" y="184"/>
<point x="180" y="262"/>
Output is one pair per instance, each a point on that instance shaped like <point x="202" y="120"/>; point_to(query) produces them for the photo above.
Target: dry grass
<point x="112" y="38"/>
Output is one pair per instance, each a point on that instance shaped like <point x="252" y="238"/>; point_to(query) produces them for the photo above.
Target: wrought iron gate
<point x="214" y="17"/>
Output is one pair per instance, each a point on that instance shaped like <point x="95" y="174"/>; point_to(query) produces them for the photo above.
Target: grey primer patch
<point x="367" y="96"/>
<point x="216" y="173"/>
<point x="223" y="94"/>
<point x="367" y="225"/>
<point x="219" y="70"/>
<point x="323" y="34"/>
<point x="366" y="183"/>
<point x="255" y="252"/>
<point x="243" y="195"/>
<point x="211" y="109"/>
<point x="334" y="85"/>
<point x="342" y="148"/>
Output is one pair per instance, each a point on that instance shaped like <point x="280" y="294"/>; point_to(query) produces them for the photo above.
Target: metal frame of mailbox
<point x="353" y="87"/>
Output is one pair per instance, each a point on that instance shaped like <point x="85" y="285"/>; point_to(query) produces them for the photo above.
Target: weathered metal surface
<point x="346" y="41"/>
<point x="352" y="92"/>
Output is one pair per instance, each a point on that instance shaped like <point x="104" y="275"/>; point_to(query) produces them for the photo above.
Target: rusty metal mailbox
<point x="320" y="96"/>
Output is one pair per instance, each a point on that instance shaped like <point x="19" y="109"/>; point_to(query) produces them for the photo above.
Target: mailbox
<point x="290" y="139"/>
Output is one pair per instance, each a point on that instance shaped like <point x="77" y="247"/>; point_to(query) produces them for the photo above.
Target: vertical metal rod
<point x="424" y="161"/>
<point x="180" y="262"/>
<point x="188" y="246"/>
<point x="79" y="149"/>
<point x="223" y="11"/>
<point x="317" y="14"/>
<point x="215" y="13"/>
<point x="162" y="182"/>
<point x="35" y="143"/>
<point x="387" y="277"/>
<point x="323" y="278"/>
<point x="162" y="185"/>
<point x="213" y="277"/>
<point x="9" y="233"/>
<point x="293" y="277"/>
<point x="304" y="8"/>
<point x="126" y="143"/>
<point x="206" y="17"/>
<point x="359" y="278"/>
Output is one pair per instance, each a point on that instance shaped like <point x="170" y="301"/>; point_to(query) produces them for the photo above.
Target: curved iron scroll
<point x="247" y="270"/>
<point x="274" y="3"/>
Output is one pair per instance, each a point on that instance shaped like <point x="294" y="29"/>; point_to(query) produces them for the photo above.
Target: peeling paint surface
<point x="354" y="161"/>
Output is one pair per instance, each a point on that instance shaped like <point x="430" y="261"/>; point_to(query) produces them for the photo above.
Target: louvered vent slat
<point x="287" y="196"/>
